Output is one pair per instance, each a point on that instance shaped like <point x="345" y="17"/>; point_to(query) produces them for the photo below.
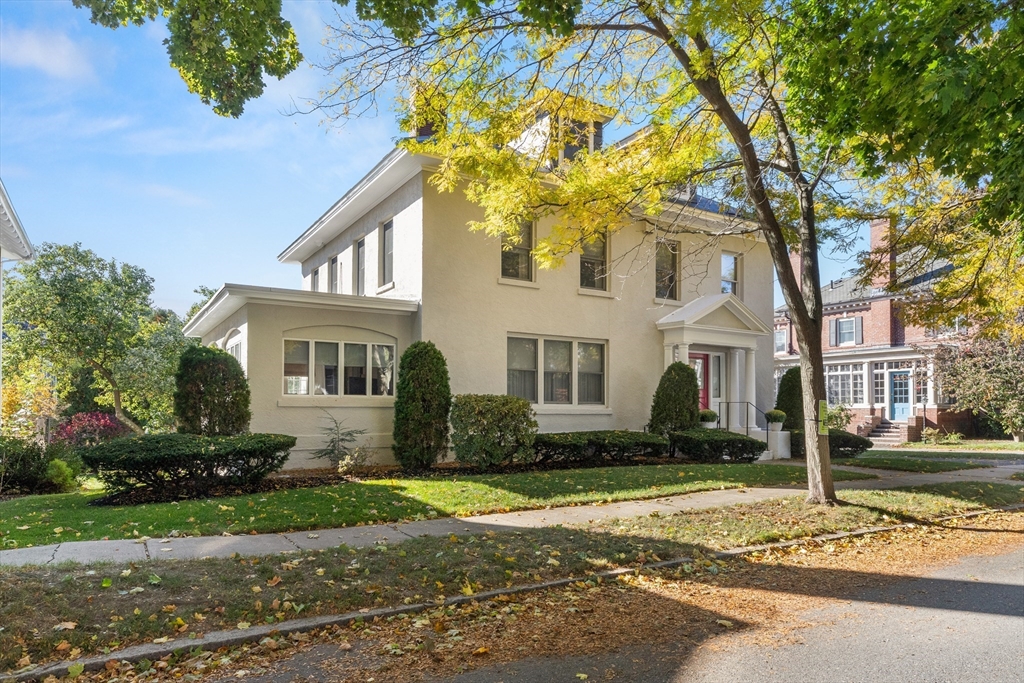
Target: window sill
<point x="336" y="401"/>
<point x="386" y="288"/>
<point x="557" y="409"/>
<point x="595" y="292"/>
<point x="667" y="302"/>
<point x="529" y="284"/>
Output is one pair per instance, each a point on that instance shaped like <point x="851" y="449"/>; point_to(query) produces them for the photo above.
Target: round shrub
<point x="89" y="429"/>
<point x="59" y="476"/>
<point x="423" y="399"/>
<point x="775" y="416"/>
<point x="676" y="402"/>
<point x="211" y="395"/>
<point x="708" y="416"/>
<point x="491" y="430"/>
<point x="790" y="400"/>
<point x="840" y="444"/>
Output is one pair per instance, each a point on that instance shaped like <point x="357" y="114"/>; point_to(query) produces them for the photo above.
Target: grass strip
<point x="80" y="610"/>
<point x="40" y="520"/>
<point x="910" y="464"/>
<point x="1009" y="449"/>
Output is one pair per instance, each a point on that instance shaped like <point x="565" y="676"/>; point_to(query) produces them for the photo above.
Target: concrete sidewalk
<point x="128" y="550"/>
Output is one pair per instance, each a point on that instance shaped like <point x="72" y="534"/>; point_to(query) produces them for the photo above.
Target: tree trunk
<point x="116" y="394"/>
<point x="820" y="488"/>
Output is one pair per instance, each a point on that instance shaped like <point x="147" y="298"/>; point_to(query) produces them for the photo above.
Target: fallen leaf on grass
<point x="75" y="670"/>
<point x="481" y="651"/>
<point x="582" y="677"/>
<point x="24" y="661"/>
<point x="724" y="622"/>
<point x="66" y="626"/>
<point x="274" y="581"/>
<point x="62" y="646"/>
<point x="23" y="528"/>
<point x="243" y="625"/>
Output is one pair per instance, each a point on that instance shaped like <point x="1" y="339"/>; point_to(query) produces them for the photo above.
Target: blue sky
<point x="101" y="143"/>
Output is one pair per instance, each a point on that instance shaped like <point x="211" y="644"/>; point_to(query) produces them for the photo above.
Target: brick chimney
<point x="797" y="262"/>
<point x="882" y="252"/>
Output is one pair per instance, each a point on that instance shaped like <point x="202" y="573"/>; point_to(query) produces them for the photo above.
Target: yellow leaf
<point x="724" y="622"/>
<point x="319" y="572"/>
<point x="582" y="677"/>
<point x="62" y="646"/>
<point x="274" y="581"/>
<point x="24" y="661"/>
<point x="481" y="651"/>
<point x="257" y="589"/>
<point x="22" y="528"/>
<point x="243" y="624"/>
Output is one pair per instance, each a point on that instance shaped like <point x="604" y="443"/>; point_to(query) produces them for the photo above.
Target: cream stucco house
<point x="393" y="262"/>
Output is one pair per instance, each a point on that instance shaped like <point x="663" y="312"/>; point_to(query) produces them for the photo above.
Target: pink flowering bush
<point x="89" y="429"/>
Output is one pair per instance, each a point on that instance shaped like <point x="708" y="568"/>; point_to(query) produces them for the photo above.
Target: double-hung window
<point x="332" y="277"/>
<point x="516" y="259"/>
<point x="730" y="274"/>
<point x="360" y="269"/>
<point x="314" y="280"/>
<point x="846" y="331"/>
<point x="387" y="253"/>
<point x="556" y="371"/>
<point x="594" y="264"/>
<point x="780" y="341"/>
<point x="666" y="269"/>
<point x="338" y="368"/>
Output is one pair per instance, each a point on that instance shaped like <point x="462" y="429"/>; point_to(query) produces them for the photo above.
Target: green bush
<point x="708" y="416"/>
<point x="715" y="445"/>
<point x="676" y="401"/>
<point x="840" y="444"/>
<point x="59" y="476"/>
<point x="775" y="416"/>
<point x="211" y="395"/>
<point x="187" y="464"/>
<point x="423" y="400"/>
<point x="790" y="400"/>
<point x="595" y="446"/>
<point x="492" y="430"/>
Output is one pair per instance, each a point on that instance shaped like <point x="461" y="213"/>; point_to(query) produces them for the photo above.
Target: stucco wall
<point x="404" y="208"/>
<point x="469" y="314"/>
<point x="267" y="327"/>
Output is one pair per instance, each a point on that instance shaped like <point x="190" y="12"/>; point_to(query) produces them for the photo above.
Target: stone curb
<point x="218" y="639"/>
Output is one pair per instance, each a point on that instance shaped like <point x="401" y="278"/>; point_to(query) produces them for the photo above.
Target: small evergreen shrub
<point x="676" y="401"/>
<point x="617" y="445"/>
<point x="186" y="464"/>
<point x="492" y="430"/>
<point x="338" y="448"/>
<point x="59" y="477"/>
<point x="715" y="445"/>
<point x="423" y="400"/>
<point x="89" y="429"/>
<point x="790" y="400"/>
<point x="840" y="444"/>
<point x="775" y="416"/>
<point x="708" y="416"/>
<point x="211" y="395"/>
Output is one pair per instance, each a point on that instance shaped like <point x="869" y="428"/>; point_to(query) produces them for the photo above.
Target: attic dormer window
<point x="579" y="136"/>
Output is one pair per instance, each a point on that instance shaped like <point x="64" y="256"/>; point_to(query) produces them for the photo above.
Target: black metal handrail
<point x="728" y="409"/>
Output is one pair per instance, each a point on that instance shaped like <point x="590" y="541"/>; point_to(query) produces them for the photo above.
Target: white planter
<point x="708" y="425"/>
<point x="775" y="426"/>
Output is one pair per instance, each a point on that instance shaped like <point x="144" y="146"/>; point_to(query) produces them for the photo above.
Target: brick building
<point x="875" y="364"/>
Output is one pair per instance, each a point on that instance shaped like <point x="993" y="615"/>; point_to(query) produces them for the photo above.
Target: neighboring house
<point x="393" y="261"/>
<point x="14" y="246"/>
<point x="874" y="363"/>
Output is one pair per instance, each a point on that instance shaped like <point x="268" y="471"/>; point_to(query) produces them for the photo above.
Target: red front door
<point x="699" y="363"/>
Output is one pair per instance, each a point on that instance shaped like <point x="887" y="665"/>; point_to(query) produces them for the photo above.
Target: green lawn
<point x="37" y="520"/>
<point x="967" y="455"/>
<point x="909" y="464"/>
<point x="969" y="445"/>
<point x="1019" y="476"/>
<point x="113" y="607"/>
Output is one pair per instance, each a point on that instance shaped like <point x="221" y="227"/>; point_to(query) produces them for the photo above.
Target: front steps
<point x="886" y="434"/>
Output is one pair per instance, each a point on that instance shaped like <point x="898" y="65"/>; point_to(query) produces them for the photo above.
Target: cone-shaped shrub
<point x="790" y="400"/>
<point x="676" y="402"/>
<point x="212" y="394"/>
<point x="423" y="400"/>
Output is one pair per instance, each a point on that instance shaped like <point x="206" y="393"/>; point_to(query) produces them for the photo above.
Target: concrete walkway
<point x="128" y="550"/>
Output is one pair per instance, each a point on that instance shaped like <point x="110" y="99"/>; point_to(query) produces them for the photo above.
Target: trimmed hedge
<point x="26" y="467"/>
<point x="840" y="444"/>
<point x="187" y="463"/>
<point x="715" y="445"/>
<point x="790" y="400"/>
<point x="423" y="400"/>
<point x="489" y="430"/>
<point x="594" y="446"/>
<point x="212" y="394"/>
<point x="676" y="402"/>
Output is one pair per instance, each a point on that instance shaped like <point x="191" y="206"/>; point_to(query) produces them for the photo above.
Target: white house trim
<point x="686" y="325"/>
<point x="232" y="297"/>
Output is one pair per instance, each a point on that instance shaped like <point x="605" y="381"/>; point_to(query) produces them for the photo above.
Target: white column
<point x="683" y="353"/>
<point x="734" y="388"/>
<point x="670" y="354"/>
<point x="751" y="386"/>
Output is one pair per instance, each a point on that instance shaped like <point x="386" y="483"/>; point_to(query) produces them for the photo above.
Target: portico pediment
<point x="720" y="319"/>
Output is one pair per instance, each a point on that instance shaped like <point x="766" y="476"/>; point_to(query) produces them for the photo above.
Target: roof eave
<point x="25" y="251"/>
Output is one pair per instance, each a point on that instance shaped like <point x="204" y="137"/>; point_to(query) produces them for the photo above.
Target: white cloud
<point x="51" y="52"/>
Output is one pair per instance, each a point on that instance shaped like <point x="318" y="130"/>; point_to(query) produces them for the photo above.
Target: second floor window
<point x="387" y="251"/>
<point x="332" y="277"/>
<point x="516" y="261"/>
<point x="314" y="280"/>
<point x="730" y="274"/>
<point x="780" y="341"/>
<point x="666" y="266"/>
<point x="360" y="268"/>
<point x="594" y="264"/>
